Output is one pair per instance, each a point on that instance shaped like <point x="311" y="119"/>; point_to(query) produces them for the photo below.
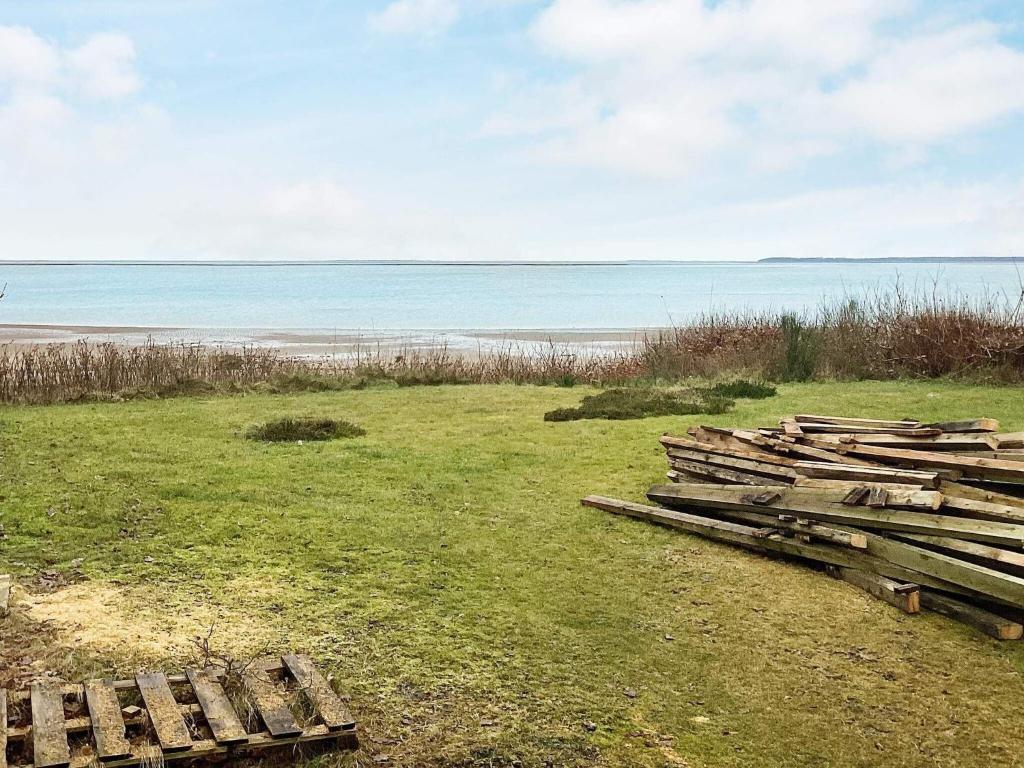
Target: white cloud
<point x="42" y="125"/>
<point x="105" y="67"/>
<point x="424" y="18"/>
<point x="26" y="58"/>
<point x="670" y="84"/>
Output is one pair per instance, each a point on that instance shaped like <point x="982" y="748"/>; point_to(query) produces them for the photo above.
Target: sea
<point x="231" y="301"/>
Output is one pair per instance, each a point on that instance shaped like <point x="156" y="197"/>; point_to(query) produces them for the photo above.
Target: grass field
<point x="442" y="568"/>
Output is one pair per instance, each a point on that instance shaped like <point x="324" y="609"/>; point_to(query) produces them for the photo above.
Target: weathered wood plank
<point x="744" y="536"/>
<point x="981" y="551"/>
<point x="1011" y="440"/>
<point x="826" y="470"/>
<point x="152" y="755"/>
<point x="797" y="449"/>
<point x="737" y="463"/>
<point x="906" y="597"/>
<point x="944" y="443"/>
<point x="721" y="441"/>
<point x="270" y="704"/>
<point x="318" y="692"/>
<point x="849" y="485"/>
<point x="107" y="722"/>
<point x="990" y="623"/>
<point x="852" y="430"/>
<point x="982" y="510"/>
<point x="718" y="474"/>
<point x="982" y="469"/>
<point x="171" y="730"/>
<point x="49" y="737"/>
<point x="220" y="715"/>
<point x="795" y="526"/>
<point x="881" y="423"/>
<point x="967" y="425"/>
<point x="3" y="728"/>
<point x="965" y="491"/>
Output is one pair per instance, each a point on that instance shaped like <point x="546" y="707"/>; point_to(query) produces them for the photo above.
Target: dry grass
<point x="883" y="335"/>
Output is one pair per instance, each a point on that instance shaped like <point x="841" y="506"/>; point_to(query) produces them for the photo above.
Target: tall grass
<point x="882" y="335"/>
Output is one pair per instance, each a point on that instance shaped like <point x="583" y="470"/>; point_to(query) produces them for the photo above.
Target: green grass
<point x="442" y="568"/>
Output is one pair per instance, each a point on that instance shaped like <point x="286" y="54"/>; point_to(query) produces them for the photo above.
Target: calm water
<point x="429" y="297"/>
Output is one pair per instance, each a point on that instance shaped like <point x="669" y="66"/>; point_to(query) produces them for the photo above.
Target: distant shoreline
<point x="441" y="263"/>
<point x="318" y="342"/>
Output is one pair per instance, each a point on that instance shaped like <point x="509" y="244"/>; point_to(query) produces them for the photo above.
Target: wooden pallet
<point x="157" y="718"/>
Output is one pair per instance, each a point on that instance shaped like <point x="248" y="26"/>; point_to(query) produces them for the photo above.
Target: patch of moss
<point x="293" y="430"/>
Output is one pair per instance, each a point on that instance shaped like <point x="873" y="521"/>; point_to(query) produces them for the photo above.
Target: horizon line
<point x="507" y="263"/>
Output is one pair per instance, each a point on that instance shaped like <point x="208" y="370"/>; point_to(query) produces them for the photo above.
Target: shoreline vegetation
<point x="881" y="336"/>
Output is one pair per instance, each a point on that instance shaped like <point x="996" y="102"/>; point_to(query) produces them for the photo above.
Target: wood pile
<point x="922" y="516"/>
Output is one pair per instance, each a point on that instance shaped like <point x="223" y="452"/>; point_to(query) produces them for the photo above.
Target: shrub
<point x="800" y="345"/>
<point x="741" y="388"/>
<point x="293" y="430"/>
<point x="638" y="403"/>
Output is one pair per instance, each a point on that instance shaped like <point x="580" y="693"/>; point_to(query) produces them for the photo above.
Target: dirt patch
<point x="126" y="624"/>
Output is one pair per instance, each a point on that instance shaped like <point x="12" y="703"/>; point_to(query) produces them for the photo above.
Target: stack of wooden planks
<point x="923" y="516"/>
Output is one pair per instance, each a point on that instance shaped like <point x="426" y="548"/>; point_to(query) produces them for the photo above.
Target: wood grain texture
<point x="270" y="703"/>
<point x="319" y="693"/>
<point x="220" y="714"/>
<point x="164" y="713"/>
<point x="49" y="736"/>
<point x="106" y="719"/>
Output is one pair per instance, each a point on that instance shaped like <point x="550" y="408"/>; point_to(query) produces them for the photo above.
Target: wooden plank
<point x="864" y="432"/>
<point x="964" y="491"/>
<point x="717" y="474"/>
<point x="798" y="449"/>
<point x="152" y="755"/>
<point x="791" y="427"/>
<point x="721" y="441"/>
<point x="270" y="704"/>
<point x="849" y="485"/>
<point x="220" y="715"/>
<point x="826" y="470"/>
<point x="796" y="526"/>
<point x="945" y="443"/>
<point x="982" y="551"/>
<point x="982" y="469"/>
<point x="106" y="720"/>
<point x="49" y="738"/>
<point x="881" y="423"/>
<point x="982" y="510"/>
<point x="990" y="623"/>
<point x="318" y="692"/>
<point x="829" y="509"/>
<point x="3" y="728"/>
<point x="892" y="592"/>
<point x="744" y="536"/>
<point x="1012" y="440"/>
<point x="164" y="714"/>
<point x="967" y="425"/>
<point x="738" y="463"/>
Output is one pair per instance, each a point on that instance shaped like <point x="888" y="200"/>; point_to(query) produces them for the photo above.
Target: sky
<point x="494" y="130"/>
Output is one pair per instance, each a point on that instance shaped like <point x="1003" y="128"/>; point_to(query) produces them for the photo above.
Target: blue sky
<point x="511" y="129"/>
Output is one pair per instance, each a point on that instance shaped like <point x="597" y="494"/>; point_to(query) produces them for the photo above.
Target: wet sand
<point x="318" y="342"/>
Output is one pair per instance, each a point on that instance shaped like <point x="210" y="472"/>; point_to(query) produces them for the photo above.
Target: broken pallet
<point x="157" y="718"/>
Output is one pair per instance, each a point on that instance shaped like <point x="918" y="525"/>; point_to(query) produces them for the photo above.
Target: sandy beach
<point x="323" y="342"/>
